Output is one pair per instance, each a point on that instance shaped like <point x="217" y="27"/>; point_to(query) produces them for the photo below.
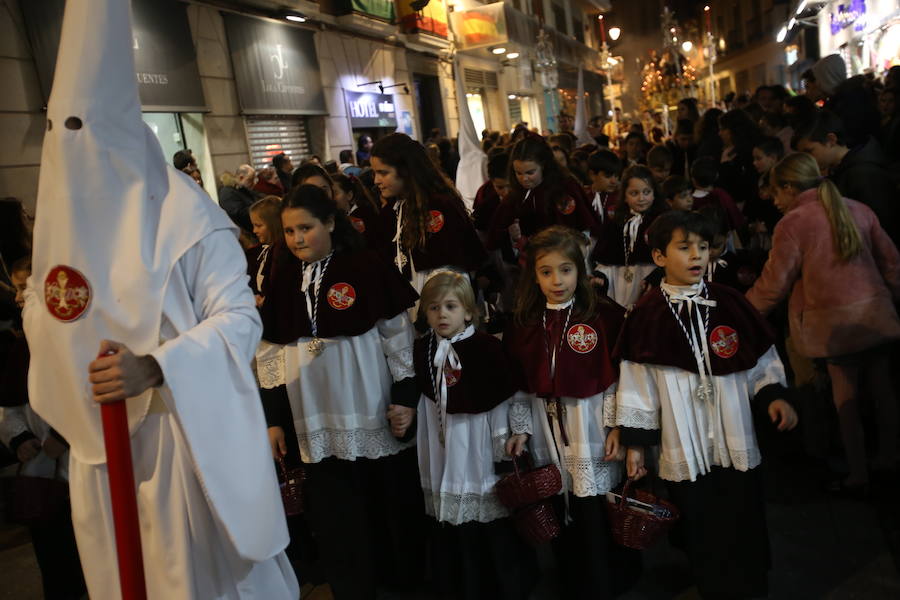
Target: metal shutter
<point x="480" y="79"/>
<point x="268" y="136"/>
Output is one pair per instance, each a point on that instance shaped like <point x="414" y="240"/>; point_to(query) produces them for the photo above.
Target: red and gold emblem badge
<point x="341" y="296"/>
<point x="724" y="341"/>
<point x="435" y="221"/>
<point x="582" y="338"/>
<point x="67" y="293"/>
<point x="452" y="376"/>
<point x="358" y="224"/>
<point x="568" y="208"/>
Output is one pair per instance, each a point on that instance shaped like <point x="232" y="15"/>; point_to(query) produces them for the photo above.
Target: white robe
<point x="661" y="397"/>
<point x="339" y="399"/>
<point x="188" y="551"/>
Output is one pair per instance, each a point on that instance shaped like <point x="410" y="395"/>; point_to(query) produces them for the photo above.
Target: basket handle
<point x="529" y="462"/>
<point x="282" y="468"/>
<point x="625" y="489"/>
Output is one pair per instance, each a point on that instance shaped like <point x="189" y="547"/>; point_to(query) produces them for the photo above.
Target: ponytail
<point x="801" y="171"/>
<point x="843" y="228"/>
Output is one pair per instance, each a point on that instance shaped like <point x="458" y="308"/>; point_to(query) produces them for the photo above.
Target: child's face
<point x="601" y="182"/>
<point x="19" y="279"/>
<point x="501" y="186"/>
<point x="638" y="195"/>
<point x="762" y="162"/>
<point x="660" y="173"/>
<point x="260" y="230"/>
<point x="683" y="200"/>
<point x="342" y="198"/>
<point x="685" y="258"/>
<point x="447" y="317"/>
<point x="557" y="276"/>
<point x="528" y="173"/>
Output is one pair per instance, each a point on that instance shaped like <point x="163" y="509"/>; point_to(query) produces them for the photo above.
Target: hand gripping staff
<point x="123" y="498"/>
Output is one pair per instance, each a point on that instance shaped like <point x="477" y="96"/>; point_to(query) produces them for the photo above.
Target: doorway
<point x="429" y="104"/>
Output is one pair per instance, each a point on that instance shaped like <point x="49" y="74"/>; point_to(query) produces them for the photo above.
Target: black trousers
<point x="57" y="557"/>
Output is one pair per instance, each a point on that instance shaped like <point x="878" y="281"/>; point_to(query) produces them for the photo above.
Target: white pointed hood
<point x="471" y="172"/>
<point x="104" y="213"/>
<point x="581" y="126"/>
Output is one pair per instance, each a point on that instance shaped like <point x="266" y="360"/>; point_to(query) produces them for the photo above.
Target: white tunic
<point x="624" y="292"/>
<point x="339" y="399"/>
<point x="586" y="421"/>
<point x="662" y="397"/>
<point x="458" y="476"/>
<point x="187" y="551"/>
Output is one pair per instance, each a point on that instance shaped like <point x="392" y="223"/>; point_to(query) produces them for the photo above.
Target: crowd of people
<point x="648" y="303"/>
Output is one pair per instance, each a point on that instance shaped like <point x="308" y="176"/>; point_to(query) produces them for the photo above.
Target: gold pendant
<point x="629" y="274"/>
<point x="315" y="347"/>
<point x="401" y="261"/>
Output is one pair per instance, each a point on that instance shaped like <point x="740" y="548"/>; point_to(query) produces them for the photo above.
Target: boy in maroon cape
<point x="696" y="357"/>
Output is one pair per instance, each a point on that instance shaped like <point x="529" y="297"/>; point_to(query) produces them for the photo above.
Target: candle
<point x="708" y="26"/>
<point x="602" y="29"/>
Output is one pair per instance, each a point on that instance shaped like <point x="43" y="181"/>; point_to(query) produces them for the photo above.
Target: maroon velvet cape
<point x="738" y="334"/>
<point x="487" y="201"/>
<point x="584" y="366"/>
<point x="610" y="248"/>
<point x="450" y="237"/>
<point x="543" y="208"/>
<point x="359" y="289"/>
<point x="365" y="219"/>
<point x="485" y="379"/>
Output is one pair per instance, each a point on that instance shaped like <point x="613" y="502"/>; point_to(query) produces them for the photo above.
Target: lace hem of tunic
<point x="401" y="364"/>
<point x="681" y="470"/>
<point x="609" y="409"/>
<point x="592" y="476"/>
<point x="628" y="416"/>
<point x="349" y="444"/>
<point x="520" y="417"/>
<point x="457" y="509"/>
<point x="270" y="368"/>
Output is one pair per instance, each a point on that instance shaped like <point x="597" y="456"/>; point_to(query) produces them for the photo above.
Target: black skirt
<point x="723" y="531"/>
<point x="369" y="523"/>
<point x="590" y="566"/>
<point x="482" y="561"/>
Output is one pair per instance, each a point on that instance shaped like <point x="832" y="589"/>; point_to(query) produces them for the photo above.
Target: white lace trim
<point x="629" y="416"/>
<point x="457" y="509"/>
<point x="270" y="366"/>
<point x="401" y="364"/>
<point x="592" y="476"/>
<point x="683" y="470"/>
<point x="520" y="420"/>
<point x="349" y="444"/>
<point x="609" y="409"/>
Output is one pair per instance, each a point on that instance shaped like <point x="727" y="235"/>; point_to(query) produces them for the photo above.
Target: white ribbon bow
<point x="713" y="265"/>
<point x="631" y="229"/>
<point x="445" y="356"/>
<point x="312" y="276"/>
<point x="597" y="205"/>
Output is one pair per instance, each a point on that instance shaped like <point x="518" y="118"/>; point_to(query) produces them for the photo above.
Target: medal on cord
<point x="628" y="238"/>
<point x="315" y="346"/>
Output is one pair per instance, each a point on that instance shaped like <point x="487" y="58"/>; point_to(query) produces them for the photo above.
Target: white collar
<point x="681" y="290"/>
<point x="700" y="193"/>
<point x="563" y="306"/>
<point x="465" y="334"/>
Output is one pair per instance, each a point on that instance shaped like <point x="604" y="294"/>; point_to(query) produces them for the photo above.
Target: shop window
<point x="475" y="102"/>
<point x="268" y="136"/>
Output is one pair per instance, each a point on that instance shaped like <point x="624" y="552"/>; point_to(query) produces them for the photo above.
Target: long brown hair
<point x="530" y="301"/>
<point x="269" y="211"/>
<point x="801" y="171"/>
<point x="421" y="180"/>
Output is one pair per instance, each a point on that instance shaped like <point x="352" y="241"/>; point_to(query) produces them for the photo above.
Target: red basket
<point x="537" y="523"/>
<point x="291" y="484"/>
<point x="522" y="488"/>
<point x="637" y="529"/>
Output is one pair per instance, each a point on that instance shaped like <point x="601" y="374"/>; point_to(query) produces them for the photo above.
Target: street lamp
<point x="607" y="63"/>
<point x="687" y="46"/>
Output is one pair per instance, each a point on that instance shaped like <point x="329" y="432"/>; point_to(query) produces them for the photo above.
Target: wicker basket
<point x="537" y="523"/>
<point x="291" y="484"/>
<point x="635" y="528"/>
<point x="526" y="487"/>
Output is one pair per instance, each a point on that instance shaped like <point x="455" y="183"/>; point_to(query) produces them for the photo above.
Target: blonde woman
<point x="842" y="273"/>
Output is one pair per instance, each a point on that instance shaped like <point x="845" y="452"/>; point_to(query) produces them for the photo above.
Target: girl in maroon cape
<point x="335" y="369"/>
<point x="542" y="194"/>
<point x="469" y="419"/>
<point x="265" y="216"/>
<point x="352" y="197"/>
<point x="424" y="223"/>
<point x="621" y="255"/>
<point x="562" y="339"/>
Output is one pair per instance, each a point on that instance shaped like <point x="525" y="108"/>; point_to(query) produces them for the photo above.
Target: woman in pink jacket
<point x="843" y="275"/>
